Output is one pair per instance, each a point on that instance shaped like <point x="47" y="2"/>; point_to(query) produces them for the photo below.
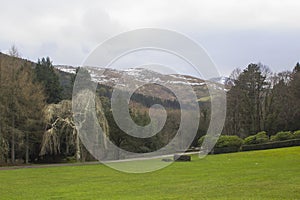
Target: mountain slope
<point x="153" y="83"/>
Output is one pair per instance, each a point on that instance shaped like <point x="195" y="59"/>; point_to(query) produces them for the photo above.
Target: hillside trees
<point x="21" y="103"/>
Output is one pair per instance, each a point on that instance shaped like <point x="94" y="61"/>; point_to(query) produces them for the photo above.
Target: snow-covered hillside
<point x="141" y="76"/>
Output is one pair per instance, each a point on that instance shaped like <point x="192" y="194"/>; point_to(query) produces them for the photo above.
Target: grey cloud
<point x="233" y="32"/>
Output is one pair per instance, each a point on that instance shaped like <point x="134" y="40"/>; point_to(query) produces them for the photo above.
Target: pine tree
<point x="46" y="74"/>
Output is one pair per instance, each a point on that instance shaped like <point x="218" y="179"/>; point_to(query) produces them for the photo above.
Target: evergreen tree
<point x="46" y="74"/>
<point x="245" y="102"/>
<point x="295" y="98"/>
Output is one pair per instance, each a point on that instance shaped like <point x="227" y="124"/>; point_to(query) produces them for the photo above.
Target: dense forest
<point x="263" y="101"/>
<point x="36" y="122"/>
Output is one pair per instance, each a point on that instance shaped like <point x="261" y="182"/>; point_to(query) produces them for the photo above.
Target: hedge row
<point x="260" y="141"/>
<point x="219" y="150"/>
<point x="271" y="145"/>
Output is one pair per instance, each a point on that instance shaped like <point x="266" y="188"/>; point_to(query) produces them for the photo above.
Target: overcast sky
<point x="233" y="32"/>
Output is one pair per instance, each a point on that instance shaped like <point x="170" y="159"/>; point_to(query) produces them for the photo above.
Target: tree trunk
<point x="77" y="148"/>
<point x="27" y="149"/>
<point x="67" y="145"/>
<point x="1" y="140"/>
<point x="13" y="141"/>
<point x="83" y="153"/>
<point x="13" y="118"/>
<point x="117" y="153"/>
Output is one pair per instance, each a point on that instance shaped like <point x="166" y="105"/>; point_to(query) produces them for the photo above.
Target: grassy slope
<point x="269" y="174"/>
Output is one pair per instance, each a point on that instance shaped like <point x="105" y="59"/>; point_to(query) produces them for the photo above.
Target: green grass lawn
<point x="268" y="174"/>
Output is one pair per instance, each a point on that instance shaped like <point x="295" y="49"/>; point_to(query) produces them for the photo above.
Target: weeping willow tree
<point x="61" y="133"/>
<point x="60" y="129"/>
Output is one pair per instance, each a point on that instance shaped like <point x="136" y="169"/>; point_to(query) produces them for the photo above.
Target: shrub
<point x="259" y="138"/>
<point x="262" y="137"/>
<point x="297" y="134"/>
<point x="250" y="140"/>
<point x="225" y="143"/>
<point x="283" y="135"/>
<point x="200" y="141"/>
<point x="229" y="141"/>
<point x="210" y="138"/>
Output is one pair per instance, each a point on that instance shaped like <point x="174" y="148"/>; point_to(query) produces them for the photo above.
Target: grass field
<point x="268" y="174"/>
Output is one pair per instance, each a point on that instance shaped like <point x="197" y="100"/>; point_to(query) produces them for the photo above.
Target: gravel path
<point x="86" y="163"/>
